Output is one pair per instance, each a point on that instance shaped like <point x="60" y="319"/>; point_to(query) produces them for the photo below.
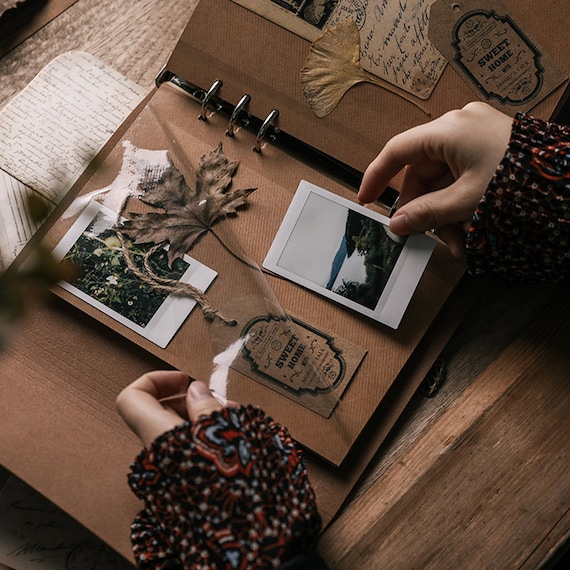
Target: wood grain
<point x="487" y="479"/>
<point x="134" y="36"/>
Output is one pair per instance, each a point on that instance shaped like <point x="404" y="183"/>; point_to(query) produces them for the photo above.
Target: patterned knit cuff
<point x="231" y="486"/>
<point x="521" y="228"/>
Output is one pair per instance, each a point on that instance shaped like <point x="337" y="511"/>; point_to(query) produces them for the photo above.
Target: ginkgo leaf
<point x="333" y="66"/>
<point x="186" y="214"/>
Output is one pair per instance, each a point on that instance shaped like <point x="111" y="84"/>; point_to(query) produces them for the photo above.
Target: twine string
<point x="168" y="285"/>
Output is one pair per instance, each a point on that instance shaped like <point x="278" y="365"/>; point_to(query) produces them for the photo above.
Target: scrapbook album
<point x="220" y="233"/>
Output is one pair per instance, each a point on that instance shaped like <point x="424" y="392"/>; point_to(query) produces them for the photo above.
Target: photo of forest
<point x="369" y="239"/>
<point x="106" y="277"/>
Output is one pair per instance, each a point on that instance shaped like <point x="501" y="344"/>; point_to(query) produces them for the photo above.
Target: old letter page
<point x="51" y="131"/>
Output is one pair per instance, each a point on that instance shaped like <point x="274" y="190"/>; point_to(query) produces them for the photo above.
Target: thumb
<point x="452" y="205"/>
<point x="200" y="401"/>
<point x="417" y="217"/>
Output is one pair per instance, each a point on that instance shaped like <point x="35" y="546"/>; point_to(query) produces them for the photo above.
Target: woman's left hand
<point x="158" y="401"/>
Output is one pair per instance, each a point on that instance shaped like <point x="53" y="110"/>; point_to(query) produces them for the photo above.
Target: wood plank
<point x="488" y="482"/>
<point x="136" y="37"/>
<point x="549" y="552"/>
<point x="18" y="24"/>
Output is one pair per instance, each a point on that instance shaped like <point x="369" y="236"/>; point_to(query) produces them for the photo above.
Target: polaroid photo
<point x="347" y="253"/>
<point x="106" y="283"/>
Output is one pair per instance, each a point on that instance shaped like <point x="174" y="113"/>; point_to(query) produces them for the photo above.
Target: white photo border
<point x="403" y="279"/>
<point x="172" y="312"/>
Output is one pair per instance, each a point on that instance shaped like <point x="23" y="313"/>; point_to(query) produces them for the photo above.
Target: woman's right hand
<point x="448" y="164"/>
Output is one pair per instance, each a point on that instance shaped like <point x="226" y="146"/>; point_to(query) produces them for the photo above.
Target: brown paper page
<point x="394" y="45"/>
<point x="276" y="176"/>
<point x="367" y="116"/>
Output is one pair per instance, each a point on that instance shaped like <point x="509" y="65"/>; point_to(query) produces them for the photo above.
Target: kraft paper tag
<point x="304" y="363"/>
<point x="489" y="49"/>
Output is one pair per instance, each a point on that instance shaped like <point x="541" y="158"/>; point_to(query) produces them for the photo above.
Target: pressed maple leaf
<point x="186" y="214"/>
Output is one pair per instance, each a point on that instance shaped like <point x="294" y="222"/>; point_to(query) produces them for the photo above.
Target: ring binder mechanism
<point x="216" y="86"/>
<point x="236" y="113"/>
<point x="266" y="130"/>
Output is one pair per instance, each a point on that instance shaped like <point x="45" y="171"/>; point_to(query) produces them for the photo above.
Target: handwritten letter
<point x="394" y="41"/>
<point x="35" y="534"/>
<point x="51" y="131"/>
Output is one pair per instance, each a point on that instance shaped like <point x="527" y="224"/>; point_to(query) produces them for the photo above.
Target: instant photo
<point x="347" y="253"/>
<point x="107" y="283"/>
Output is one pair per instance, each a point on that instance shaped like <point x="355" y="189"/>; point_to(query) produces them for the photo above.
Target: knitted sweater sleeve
<point x="521" y="228"/>
<point x="229" y="491"/>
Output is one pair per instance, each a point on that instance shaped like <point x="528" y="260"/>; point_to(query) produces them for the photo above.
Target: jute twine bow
<point x="172" y="286"/>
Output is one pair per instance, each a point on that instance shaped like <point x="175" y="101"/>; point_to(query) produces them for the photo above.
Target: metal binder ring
<point x="264" y="128"/>
<point x="235" y="114"/>
<point x="207" y="98"/>
<point x="162" y="76"/>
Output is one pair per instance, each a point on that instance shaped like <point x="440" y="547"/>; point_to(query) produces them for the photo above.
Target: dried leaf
<point x="332" y="67"/>
<point x="187" y="214"/>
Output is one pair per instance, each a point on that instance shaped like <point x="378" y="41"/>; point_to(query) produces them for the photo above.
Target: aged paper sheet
<point x="35" y="534"/>
<point x="51" y="131"/>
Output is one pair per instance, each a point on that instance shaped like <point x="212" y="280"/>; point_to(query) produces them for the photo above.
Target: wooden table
<point x="476" y="477"/>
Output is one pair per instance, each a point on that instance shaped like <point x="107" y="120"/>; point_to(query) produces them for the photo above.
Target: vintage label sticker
<point x="300" y="361"/>
<point x="489" y="49"/>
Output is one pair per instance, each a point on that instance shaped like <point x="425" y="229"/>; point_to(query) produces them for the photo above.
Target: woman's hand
<point x="448" y="164"/>
<point x="159" y="401"/>
<point x="199" y="481"/>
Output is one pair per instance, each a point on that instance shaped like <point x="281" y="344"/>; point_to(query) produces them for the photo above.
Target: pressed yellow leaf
<point x="332" y="67"/>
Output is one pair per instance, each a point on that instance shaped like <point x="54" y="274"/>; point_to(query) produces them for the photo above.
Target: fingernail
<point x="199" y="390"/>
<point x="399" y="223"/>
